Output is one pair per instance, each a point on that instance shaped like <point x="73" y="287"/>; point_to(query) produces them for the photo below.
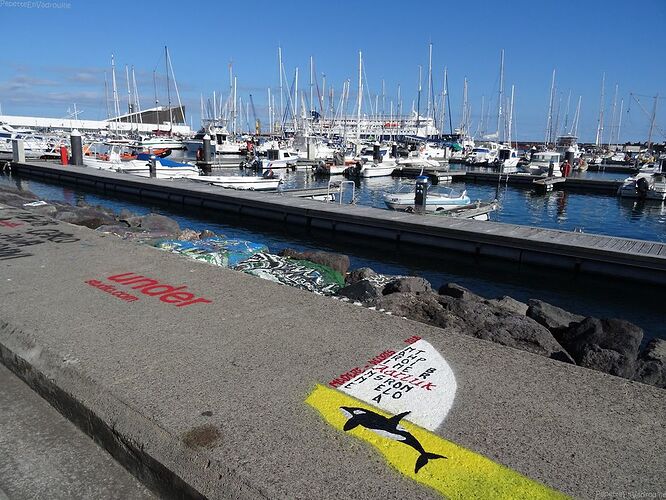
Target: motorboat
<point x="568" y="144"/>
<point x="541" y="163"/>
<point x="438" y="199"/>
<point x="249" y="182"/>
<point x="617" y="158"/>
<point x="279" y="158"/>
<point x="485" y="154"/>
<point x="645" y="186"/>
<point x="378" y="169"/>
<point x="420" y="160"/>
<point x="148" y="143"/>
<point x="508" y="159"/>
<point x="164" y="168"/>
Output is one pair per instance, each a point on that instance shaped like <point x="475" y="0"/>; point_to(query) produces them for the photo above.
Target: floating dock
<point x="576" y="252"/>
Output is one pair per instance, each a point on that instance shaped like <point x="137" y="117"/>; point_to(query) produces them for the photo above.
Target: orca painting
<point x="389" y="428"/>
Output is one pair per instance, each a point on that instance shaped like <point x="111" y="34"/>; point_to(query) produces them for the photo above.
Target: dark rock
<point x="125" y="214"/>
<point x="206" y="234"/>
<point x="48" y="210"/>
<point x="505" y="327"/>
<point x="188" y="235"/>
<point x="607" y="345"/>
<point x="91" y="217"/>
<point x="337" y="262"/>
<point x="362" y="273"/>
<point x="363" y="291"/>
<point x="552" y="317"/>
<point x="510" y="304"/>
<point x="458" y="292"/>
<point x="475" y="318"/>
<point x="119" y="229"/>
<point x="651" y="365"/>
<point x="424" y="307"/>
<point x="411" y="284"/>
<point x="154" y="222"/>
<point x="15" y="197"/>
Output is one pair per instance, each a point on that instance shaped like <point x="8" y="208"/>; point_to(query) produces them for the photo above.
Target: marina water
<point x="587" y="295"/>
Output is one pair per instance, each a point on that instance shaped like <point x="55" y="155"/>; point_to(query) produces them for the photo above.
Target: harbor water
<point x="586" y="295"/>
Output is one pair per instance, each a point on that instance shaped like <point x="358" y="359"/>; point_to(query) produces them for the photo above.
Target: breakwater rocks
<point x="608" y="345"/>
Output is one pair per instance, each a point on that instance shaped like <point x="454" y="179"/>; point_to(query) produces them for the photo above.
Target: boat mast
<point x="175" y="86"/>
<point x="500" y="98"/>
<point x="614" y="109"/>
<point x="418" y="103"/>
<point x="510" y="124"/>
<point x="429" y="80"/>
<point x="566" y="114"/>
<point x="549" y="126"/>
<point x="116" y="103"/>
<point x="360" y="94"/>
<point x="574" y="124"/>
<point x="137" y="102"/>
<point x="652" y="122"/>
<point x="463" y="122"/>
<point x="129" y="96"/>
<point x="203" y="117"/>
<point x="619" y="124"/>
<point x="270" y="112"/>
<point x="235" y="106"/>
<point x="106" y="95"/>
<point x="312" y="108"/>
<point x="448" y="100"/>
<point x="294" y="104"/>
<point x="600" y="123"/>
<point x="157" y="102"/>
<point x="166" y="67"/>
<point x="280" y="70"/>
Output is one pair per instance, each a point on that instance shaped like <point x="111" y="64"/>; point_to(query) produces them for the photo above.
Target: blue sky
<point x="54" y="57"/>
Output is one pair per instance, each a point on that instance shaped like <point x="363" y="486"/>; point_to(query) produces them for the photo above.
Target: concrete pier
<point x="621" y="258"/>
<point x="234" y="395"/>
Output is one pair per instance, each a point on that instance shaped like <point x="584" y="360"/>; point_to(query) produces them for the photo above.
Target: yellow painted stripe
<point x="463" y="474"/>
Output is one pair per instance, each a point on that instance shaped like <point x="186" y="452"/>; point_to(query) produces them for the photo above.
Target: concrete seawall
<point x="622" y="258"/>
<point x="226" y="397"/>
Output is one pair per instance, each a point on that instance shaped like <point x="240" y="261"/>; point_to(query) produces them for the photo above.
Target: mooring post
<point x="205" y="165"/>
<point x="421" y="194"/>
<point x="77" y="148"/>
<point x="18" y="151"/>
<point x="153" y="166"/>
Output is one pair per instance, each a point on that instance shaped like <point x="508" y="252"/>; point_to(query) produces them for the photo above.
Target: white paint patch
<point x="416" y="379"/>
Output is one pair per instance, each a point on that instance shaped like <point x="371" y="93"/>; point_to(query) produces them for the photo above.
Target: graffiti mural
<point x="395" y="402"/>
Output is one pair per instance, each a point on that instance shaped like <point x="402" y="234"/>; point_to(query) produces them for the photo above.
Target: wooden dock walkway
<point x="621" y="258"/>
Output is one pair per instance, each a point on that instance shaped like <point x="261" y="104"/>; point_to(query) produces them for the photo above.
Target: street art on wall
<point x="395" y="402"/>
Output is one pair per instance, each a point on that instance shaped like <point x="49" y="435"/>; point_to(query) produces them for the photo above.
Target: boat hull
<point x="240" y="182"/>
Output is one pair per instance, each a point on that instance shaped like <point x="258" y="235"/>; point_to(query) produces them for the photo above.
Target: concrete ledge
<point x="144" y="377"/>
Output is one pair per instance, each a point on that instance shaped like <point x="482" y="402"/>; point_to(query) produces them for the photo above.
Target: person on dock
<point x="566" y="168"/>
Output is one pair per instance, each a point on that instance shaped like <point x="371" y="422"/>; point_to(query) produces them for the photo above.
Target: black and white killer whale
<point x="389" y="428"/>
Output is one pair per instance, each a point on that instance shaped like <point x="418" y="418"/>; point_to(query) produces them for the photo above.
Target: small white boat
<point x="541" y="162"/>
<point x="248" y="182"/>
<point x="279" y="158"/>
<point x="418" y="161"/>
<point x="438" y="199"/>
<point x="644" y="186"/>
<point x="164" y="168"/>
<point x="157" y="142"/>
<point x="383" y="169"/>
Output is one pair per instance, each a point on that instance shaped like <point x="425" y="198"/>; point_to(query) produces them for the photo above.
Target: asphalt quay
<point x="260" y="390"/>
